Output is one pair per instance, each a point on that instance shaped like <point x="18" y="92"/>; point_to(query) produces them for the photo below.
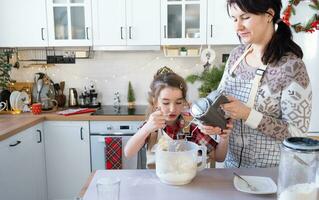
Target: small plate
<point x="13" y="98"/>
<point x="264" y="185"/>
<point x="21" y="100"/>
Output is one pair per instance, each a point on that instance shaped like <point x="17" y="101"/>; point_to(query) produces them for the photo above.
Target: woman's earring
<point x="276" y="27"/>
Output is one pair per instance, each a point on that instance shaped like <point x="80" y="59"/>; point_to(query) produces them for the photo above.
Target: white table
<point x="210" y="184"/>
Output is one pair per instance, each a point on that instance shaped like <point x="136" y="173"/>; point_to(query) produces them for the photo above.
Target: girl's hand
<point x="155" y="121"/>
<point x="236" y="109"/>
<point x="210" y="130"/>
<point x="226" y="132"/>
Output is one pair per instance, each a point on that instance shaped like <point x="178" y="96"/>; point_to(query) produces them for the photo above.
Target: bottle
<point x="298" y="169"/>
<point x="94" y="99"/>
<point x="87" y="100"/>
<point x="81" y="100"/>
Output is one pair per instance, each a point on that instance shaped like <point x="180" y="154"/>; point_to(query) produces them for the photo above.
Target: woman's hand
<point x="236" y="109"/>
<point x="155" y="121"/>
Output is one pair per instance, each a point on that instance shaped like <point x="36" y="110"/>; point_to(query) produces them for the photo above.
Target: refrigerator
<point x="309" y="43"/>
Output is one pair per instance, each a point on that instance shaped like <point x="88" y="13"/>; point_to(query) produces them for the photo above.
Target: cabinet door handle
<point x="42" y="29"/>
<point x="122" y="33"/>
<point x="15" y="144"/>
<point x="130" y="32"/>
<point x="211" y="30"/>
<point x="81" y="133"/>
<point x="164" y="31"/>
<point x="87" y="33"/>
<point x="40" y="136"/>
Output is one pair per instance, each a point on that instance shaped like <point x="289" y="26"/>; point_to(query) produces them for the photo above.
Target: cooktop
<point x="121" y="110"/>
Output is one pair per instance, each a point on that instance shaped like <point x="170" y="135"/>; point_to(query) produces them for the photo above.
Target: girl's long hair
<point x="163" y="78"/>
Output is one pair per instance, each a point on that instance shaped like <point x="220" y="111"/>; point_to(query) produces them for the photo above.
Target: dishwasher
<point x="124" y="129"/>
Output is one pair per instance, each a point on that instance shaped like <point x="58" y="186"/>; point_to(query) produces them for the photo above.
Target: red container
<point x="36" y="108"/>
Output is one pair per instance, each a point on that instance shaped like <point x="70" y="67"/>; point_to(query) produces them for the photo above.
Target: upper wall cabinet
<point x="69" y="22"/>
<point x="183" y="22"/>
<point x="120" y="23"/>
<point x="220" y="28"/>
<point x="23" y="23"/>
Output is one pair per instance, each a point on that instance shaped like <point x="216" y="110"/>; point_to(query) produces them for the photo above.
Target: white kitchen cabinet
<point x="22" y="166"/>
<point x="220" y="27"/>
<point x="121" y="23"/>
<point x="67" y="150"/>
<point x="69" y="22"/>
<point x="23" y="23"/>
<point x="183" y="22"/>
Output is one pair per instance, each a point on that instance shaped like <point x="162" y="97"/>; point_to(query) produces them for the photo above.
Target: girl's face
<point x="171" y="103"/>
<point x="251" y="28"/>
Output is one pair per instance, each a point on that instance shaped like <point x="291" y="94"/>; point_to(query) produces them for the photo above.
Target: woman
<point x="267" y="85"/>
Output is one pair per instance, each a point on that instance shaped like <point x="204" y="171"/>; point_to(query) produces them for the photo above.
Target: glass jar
<point x="298" y="177"/>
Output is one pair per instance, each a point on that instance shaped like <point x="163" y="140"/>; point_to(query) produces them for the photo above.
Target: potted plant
<point x="183" y="51"/>
<point x="209" y="78"/>
<point x="130" y="96"/>
<point x="5" y="68"/>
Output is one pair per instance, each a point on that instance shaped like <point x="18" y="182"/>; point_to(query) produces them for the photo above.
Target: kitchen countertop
<point x="12" y="124"/>
<point x="212" y="184"/>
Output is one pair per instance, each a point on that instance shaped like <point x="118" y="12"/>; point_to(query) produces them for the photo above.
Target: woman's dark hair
<point x="281" y="42"/>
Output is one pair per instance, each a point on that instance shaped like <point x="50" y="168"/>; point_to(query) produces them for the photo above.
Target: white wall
<point x="111" y="72"/>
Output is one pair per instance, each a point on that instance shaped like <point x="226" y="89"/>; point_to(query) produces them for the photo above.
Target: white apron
<point x="248" y="147"/>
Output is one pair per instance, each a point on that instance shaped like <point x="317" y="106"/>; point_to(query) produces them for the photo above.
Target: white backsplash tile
<point x="111" y="72"/>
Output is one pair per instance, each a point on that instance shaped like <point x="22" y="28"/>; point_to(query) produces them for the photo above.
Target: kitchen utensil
<point x="5" y="97"/>
<point x="73" y="97"/>
<point x="44" y="91"/>
<point x="253" y="188"/>
<point x="3" y="106"/>
<point x="61" y="96"/>
<point x="13" y="98"/>
<point x="62" y="85"/>
<point x="178" y="163"/>
<point x="49" y="104"/>
<point x="75" y="111"/>
<point x="22" y="100"/>
<point x="207" y="57"/>
<point x="298" y="169"/>
<point x="36" y="108"/>
<point x="38" y="81"/>
<point x="208" y="111"/>
<point x="57" y="88"/>
<point x="108" y="188"/>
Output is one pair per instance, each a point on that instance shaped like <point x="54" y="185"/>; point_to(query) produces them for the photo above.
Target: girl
<point x="167" y="100"/>
<point x="267" y="84"/>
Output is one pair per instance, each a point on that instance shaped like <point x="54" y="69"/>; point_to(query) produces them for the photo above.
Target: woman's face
<point x="251" y="28"/>
<point x="171" y="103"/>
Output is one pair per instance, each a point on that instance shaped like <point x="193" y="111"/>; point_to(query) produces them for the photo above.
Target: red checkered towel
<point x="113" y="153"/>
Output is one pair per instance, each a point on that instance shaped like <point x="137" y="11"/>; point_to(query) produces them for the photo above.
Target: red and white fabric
<point x="113" y="153"/>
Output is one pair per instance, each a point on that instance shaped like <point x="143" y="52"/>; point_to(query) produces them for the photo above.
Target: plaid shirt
<point x="176" y="132"/>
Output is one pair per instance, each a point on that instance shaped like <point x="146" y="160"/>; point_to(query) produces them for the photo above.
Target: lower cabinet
<point x="67" y="155"/>
<point x="22" y="166"/>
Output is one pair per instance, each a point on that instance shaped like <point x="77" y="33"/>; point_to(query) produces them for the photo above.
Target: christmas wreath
<point x="311" y="25"/>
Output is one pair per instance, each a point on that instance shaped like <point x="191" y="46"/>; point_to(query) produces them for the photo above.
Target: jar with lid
<point x="298" y="177"/>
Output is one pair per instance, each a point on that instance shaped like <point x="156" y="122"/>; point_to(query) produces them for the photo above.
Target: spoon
<point x="253" y="188"/>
